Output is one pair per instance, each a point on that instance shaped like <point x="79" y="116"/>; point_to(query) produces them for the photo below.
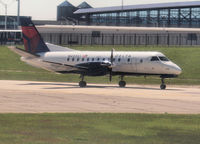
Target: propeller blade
<point x="111" y="57"/>
<point x="110" y="78"/>
<point x="111" y="60"/>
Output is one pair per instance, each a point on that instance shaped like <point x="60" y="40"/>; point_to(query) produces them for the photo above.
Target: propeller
<point x="111" y="60"/>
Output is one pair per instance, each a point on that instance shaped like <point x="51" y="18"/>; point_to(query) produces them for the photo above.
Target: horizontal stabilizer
<point x="21" y="52"/>
<point x="54" y="48"/>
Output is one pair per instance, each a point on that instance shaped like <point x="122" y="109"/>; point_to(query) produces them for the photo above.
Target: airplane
<point x="93" y="63"/>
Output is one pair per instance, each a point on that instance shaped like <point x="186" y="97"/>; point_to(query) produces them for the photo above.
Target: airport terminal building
<point x="177" y="14"/>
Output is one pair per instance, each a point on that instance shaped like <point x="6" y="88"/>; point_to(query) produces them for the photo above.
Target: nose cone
<point x="172" y="68"/>
<point x="177" y="70"/>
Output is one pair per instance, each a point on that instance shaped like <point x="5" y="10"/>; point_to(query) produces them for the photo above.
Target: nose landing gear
<point x="162" y="86"/>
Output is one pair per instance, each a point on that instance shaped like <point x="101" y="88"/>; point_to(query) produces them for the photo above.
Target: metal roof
<point x="10" y="30"/>
<point x="65" y="4"/>
<point x="138" y="7"/>
<point x="112" y="29"/>
<point x="84" y="5"/>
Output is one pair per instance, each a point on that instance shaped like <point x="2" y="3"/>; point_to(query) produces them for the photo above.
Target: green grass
<point x="11" y="68"/>
<point x="99" y="129"/>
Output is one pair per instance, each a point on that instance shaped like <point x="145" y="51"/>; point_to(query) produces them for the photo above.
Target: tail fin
<point x="33" y="41"/>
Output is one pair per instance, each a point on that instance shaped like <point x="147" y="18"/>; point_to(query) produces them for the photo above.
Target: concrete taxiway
<point x="51" y="97"/>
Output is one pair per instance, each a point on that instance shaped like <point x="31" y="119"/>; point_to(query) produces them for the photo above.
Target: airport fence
<point x="164" y="39"/>
<point x="137" y="39"/>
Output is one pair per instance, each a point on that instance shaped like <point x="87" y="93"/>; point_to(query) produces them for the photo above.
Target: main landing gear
<point x="162" y="86"/>
<point x="82" y="83"/>
<point x="122" y="83"/>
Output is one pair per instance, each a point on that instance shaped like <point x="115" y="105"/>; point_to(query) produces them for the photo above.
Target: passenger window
<point x="98" y="59"/>
<point x="128" y="60"/>
<point x="67" y="59"/>
<point x="88" y="59"/>
<point x="163" y="59"/>
<point x="119" y="59"/>
<point x="83" y="59"/>
<point x="155" y="58"/>
<point x="72" y="59"/>
<point x="113" y="59"/>
<point x="92" y="59"/>
<point x="77" y="59"/>
<point x="103" y="59"/>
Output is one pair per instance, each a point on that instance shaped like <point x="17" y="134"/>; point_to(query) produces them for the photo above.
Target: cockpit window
<point x="163" y="58"/>
<point x="155" y="58"/>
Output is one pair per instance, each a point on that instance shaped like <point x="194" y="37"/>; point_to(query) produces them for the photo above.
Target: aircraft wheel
<point x="122" y="84"/>
<point x="82" y="84"/>
<point x="162" y="86"/>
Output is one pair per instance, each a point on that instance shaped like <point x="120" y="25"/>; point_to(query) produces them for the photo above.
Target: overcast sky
<point x="47" y="9"/>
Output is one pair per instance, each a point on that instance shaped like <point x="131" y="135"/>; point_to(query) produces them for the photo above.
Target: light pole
<point x="18" y="12"/>
<point x="5" y="13"/>
<point x="122" y="4"/>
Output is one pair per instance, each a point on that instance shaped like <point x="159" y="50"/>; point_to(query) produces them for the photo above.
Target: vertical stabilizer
<point x="33" y="41"/>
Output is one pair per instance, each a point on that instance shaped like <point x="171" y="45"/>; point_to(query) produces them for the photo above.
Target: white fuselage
<point x="123" y="62"/>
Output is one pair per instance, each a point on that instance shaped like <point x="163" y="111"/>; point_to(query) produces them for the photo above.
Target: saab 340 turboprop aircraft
<point x="93" y="63"/>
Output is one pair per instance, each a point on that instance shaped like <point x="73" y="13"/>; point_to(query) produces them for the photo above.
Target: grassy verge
<point x="99" y="128"/>
<point x="11" y="68"/>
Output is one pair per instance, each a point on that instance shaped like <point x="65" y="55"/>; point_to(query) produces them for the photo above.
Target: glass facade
<point x="133" y="17"/>
<point x="153" y="18"/>
<point x="142" y="17"/>
<point x="185" y="17"/>
<point x="163" y="19"/>
<point x="174" y="17"/>
<point x="123" y="18"/>
<point x="195" y="17"/>
<point x="168" y="17"/>
<point x="11" y="22"/>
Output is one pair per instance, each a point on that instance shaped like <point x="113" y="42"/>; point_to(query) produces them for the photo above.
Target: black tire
<point x="162" y="86"/>
<point x="82" y="84"/>
<point x="122" y="84"/>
